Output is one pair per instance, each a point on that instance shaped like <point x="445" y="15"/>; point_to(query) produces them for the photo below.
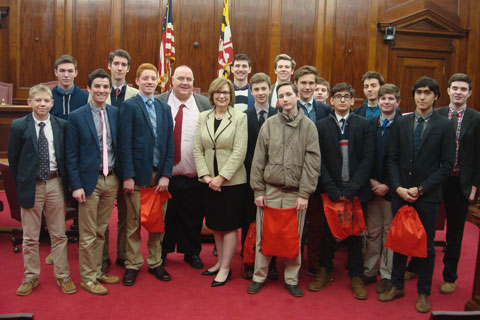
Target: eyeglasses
<point x="340" y="97"/>
<point x="225" y="93"/>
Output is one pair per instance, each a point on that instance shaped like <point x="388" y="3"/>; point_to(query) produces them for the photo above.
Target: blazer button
<point x="409" y="173"/>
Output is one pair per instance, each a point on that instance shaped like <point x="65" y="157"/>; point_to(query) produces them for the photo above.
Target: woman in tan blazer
<point x="219" y="150"/>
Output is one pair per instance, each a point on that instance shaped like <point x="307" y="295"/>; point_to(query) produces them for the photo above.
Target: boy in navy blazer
<point x="36" y="155"/>
<point x="91" y="163"/>
<point x="421" y="158"/>
<point x="146" y="157"/>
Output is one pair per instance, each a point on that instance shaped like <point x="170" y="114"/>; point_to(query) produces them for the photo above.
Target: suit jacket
<point x="228" y="144"/>
<point x="136" y="141"/>
<point x="129" y="93"/>
<point x="379" y="169"/>
<point x="321" y="110"/>
<point x="84" y="158"/>
<point x="434" y="161"/>
<point x="253" y="129"/>
<point x="23" y="156"/>
<point x="469" y="151"/>
<point x="361" y="144"/>
<point x="200" y="100"/>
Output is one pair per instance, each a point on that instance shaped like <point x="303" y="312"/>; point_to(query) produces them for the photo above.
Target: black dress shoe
<point x="120" y="262"/>
<point x="193" y="260"/>
<point x="129" y="277"/>
<point x="209" y="273"/>
<point x="221" y="283"/>
<point x="160" y="273"/>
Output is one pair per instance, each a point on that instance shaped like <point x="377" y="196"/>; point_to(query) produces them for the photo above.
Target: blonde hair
<point x="216" y="85"/>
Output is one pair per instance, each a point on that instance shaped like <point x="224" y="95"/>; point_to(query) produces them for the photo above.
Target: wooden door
<point x="406" y="67"/>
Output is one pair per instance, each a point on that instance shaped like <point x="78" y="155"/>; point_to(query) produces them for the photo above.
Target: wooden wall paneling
<point x="193" y="23"/>
<point x="372" y="34"/>
<point x="4" y="30"/>
<point x="473" y="49"/>
<point x="59" y="25"/>
<point x="251" y="32"/>
<point x="14" y="44"/>
<point x="92" y="34"/>
<point x="37" y="42"/>
<point x="275" y="23"/>
<point x="320" y="36"/>
<point x="142" y="25"/>
<point x="351" y="45"/>
<point x="117" y="22"/>
<point x="297" y="31"/>
<point x="328" y="39"/>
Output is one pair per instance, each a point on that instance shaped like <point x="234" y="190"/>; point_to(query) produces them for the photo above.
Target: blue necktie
<point x="43" y="156"/>
<point x="153" y="116"/>
<point x="417" y="136"/>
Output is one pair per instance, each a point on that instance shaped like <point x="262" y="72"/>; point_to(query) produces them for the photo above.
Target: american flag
<point x="167" y="49"/>
<point x="225" y="45"/>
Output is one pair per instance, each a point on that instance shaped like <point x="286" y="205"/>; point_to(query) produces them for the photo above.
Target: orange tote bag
<point x="280" y="232"/>
<point x="151" y="214"/>
<point x="249" y="245"/>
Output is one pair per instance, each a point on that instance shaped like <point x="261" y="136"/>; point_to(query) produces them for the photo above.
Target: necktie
<point x="455" y="120"/>
<point x="152" y="115"/>
<point x="104" y="144"/>
<point x="417" y="136"/>
<point x="177" y="135"/>
<point x="117" y="92"/>
<point x="384" y="124"/>
<point x="262" y="117"/>
<point x="43" y="156"/>
<point x="342" y="125"/>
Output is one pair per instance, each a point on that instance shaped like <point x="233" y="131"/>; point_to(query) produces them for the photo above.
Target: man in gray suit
<point x="185" y="212"/>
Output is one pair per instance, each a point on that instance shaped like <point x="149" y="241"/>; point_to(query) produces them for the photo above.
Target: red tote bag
<point x="280" y="232"/>
<point x="151" y="214"/>
<point x="344" y="217"/>
<point x="407" y="234"/>
<point x="249" y="245"/>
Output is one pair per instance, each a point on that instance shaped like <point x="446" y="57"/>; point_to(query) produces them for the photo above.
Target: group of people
<point x="249" y="145"/>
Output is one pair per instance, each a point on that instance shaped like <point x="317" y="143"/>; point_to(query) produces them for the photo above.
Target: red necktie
<point x="117" y="92"/>
<point x="177" y="135"/>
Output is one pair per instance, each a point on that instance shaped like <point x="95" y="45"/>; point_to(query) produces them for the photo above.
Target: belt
<point x="110" y="171"/>
<point x="53" y="174"/>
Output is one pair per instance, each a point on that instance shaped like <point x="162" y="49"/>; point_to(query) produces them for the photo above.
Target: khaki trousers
<point x="379" y="217"/>
<point x="49" y="198"/>
<point x="121" y="230"/>
<point x="93" y="219"/>
<point x="154" y="244"/>
<point x="276" y="198"/>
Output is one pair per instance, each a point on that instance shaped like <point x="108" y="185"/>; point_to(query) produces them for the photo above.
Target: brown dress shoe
<point x="423" y="305"/>
<point x="27" y="287"/>
<point x="358" y="288"/>
<point x="448" y="287"/>
<point x="322" y="279"/>
<point x="391" y="294"/>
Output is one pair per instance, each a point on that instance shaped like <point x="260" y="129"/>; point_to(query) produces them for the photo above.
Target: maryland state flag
<point x="225" y="45"/>
<point x="167" y="49"/>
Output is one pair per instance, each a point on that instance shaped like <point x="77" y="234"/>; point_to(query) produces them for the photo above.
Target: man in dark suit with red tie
<point x="260" y="86"/>
<point x="185" y="211"/>
<point x="461" y="187"/>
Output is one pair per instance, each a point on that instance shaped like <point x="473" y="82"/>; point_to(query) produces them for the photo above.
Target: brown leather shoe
<point x="67" y="285"/>
<point x="358" y="288"/>
<point x="423" y="305"/>
<point x="391" y="294"/>
<point x="94" y="288"/>
<point x="27" y="287"/>
<point x="384" y="285"/>
<point x="448" y="287"/>
<point x="322" y="279"/>
<point x="108" y="279"/>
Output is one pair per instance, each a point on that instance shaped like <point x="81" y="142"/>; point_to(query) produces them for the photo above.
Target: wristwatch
<point x="420" y="191"/>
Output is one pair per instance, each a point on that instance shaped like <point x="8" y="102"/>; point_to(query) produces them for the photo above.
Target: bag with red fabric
<point x="151" y="213"/>
<point x="280" y="232"/>
<point x="344" y="217"/>
<point x="407" y="234"/>
<point x="249" y="244"/>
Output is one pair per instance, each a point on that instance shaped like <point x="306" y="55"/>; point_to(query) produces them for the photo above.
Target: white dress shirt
<point x="186" y="166"/>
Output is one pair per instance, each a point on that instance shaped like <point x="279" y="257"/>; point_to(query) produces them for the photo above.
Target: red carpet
<point x="189" y="294"/>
